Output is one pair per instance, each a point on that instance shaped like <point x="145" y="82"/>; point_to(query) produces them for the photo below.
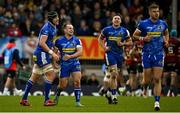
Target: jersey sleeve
<point x="104" y="33"/>
<point x="79" y="43"/>
<point x="140" y="26"/>
<point x="127" y="33"/>
<point x="166" y="26"/>
<point x="45" y="31"/>
<point x="57" y="45"/>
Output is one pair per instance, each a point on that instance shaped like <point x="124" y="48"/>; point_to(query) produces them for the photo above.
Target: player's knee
<point x="145" y="81"/>
<point x="62" y="85"/>
<point x="113" y="77"/>
<point x="157" y="80"/>
<point x="77" y="83"/>
<point x="173" y="74"/>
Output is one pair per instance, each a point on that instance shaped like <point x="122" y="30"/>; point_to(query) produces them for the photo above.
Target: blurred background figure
<point x="11" y="59"/>
<point x="93" y="80"/>
<point x="29" y="47"/>
<point x="172" y="65"/>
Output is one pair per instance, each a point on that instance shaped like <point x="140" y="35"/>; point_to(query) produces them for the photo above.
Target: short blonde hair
<point x="153" y="6"/>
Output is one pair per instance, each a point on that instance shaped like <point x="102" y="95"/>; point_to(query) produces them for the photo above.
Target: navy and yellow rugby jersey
<point x="49" y="30"/>
<point x="68" y="46"/>
<point x="113" y="35"/>
<point x="40" y="56"/>
<point x="156" y="30"/>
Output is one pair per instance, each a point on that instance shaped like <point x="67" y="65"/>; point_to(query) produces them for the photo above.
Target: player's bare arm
<point x="54" y="62"/>
<point x="102" y="44"/>
<point x="75" y="55"/>
<point x="137" y="36"/>
<point x="127" y="42"/>
<point x="166" y="38"/>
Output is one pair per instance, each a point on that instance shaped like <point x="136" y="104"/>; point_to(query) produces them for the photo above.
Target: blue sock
<point x="113" y="91"/>
<point x="28" y="87"/>
<point x="157" y="98"/>
<point x="77" y="92"/>
<point x="48" y="85"/>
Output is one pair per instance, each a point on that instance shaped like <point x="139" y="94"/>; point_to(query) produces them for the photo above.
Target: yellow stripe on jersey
<point x="155" y="34"/>
<point x="69" y="49"/>
<point x="112" y="38"/>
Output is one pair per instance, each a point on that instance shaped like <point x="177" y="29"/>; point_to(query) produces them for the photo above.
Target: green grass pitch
<point x="92" y="104"/>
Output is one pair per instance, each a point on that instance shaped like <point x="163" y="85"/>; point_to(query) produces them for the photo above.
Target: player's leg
<point x="172" y="83"/>
<point x="7" y="86"/>
<point x="147" y="77"/>
<point x="62" y="85"/>
<point x="77" y="87"/>
<point x="133" y="79"/>
<point x="105" y="86"/>
<point x="36" y="72"/>
<point x="158" y="63"/>
<point x="133" y="84"/>
<point x="63" y="81"/>
<point x="15" y="90"/>
<point x="113" y="83"/>
<point x="50" y="76"/>
<point x="120" y="79"/>
<point x="157" y="72"/>
<point x="8" y="83"/>
<point x="111" y="61"/>
<point x="13" y="84"/>
<point x="147" y="72"/>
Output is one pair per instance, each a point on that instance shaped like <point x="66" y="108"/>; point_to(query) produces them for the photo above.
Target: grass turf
<point x="92" y="104"/>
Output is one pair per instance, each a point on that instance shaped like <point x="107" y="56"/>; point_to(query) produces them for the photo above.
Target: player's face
<point x="116" y="21"/>
<point x="69" y="30"/>
<point x="56" y="20"/>
<point x="154" y="13"/>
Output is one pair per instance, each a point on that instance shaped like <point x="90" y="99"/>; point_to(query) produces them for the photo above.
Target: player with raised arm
<point x="154" y="32"/>
<point x="42" y="57"/>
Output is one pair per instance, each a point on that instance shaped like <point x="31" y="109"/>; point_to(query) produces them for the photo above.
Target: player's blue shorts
<point x="113" y="58"/>
<point x="69" y="67"/>
<point x="155" y="60"/>
<point x="41" y="58"/>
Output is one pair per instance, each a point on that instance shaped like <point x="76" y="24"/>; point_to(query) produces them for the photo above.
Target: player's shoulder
<point x="144" y="21"/>
<point x="107" y="27"/>
<point x="123" y="28"/>
<point x="45" y="26"/>
<point x="163" y="21"/>
<point x="75" y="38"/>
<point x="60" y="39"/>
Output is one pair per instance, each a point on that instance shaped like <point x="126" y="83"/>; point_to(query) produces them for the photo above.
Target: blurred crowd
<point x="22" y="17"/>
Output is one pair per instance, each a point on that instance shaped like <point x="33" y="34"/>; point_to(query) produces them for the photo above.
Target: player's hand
<point x="147" y="38"/>
<point x="119" y="43"/>
<point x="55" y="56"/>
<point x="166" y="44"/>
<point x="107" y="48"/>
<point x="24" y="67"/>
<point x="66" y="57"/>
<point x="55" y="65"/>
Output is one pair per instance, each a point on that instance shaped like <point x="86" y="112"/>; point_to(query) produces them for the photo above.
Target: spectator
<point x="93" y="80"/>
<point x="96" y="28"/>
<point x="30" y="46"/>
<point x="83" y="30"/>
<point x="14" y="31"/>
<point x="2" y="27"/>
<point x="84" y="77"/>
